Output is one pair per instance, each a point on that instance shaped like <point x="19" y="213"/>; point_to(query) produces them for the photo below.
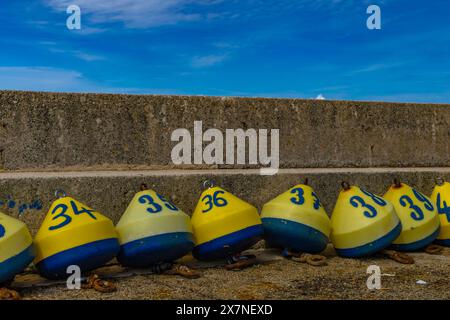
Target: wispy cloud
<point x="208" y="60"/>
<point x="139" y="13"/>
<point x="41" y="79"/>
<point x="376" y="67"/>
<point x="56" y="48"/>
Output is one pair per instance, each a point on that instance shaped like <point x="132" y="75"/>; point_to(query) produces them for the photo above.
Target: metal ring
<point x="397" y="182"/>
<point x="143" y="186"/>
<point x="60" y="193"/>
<point x="306" y="181"/>
<point x="440" y="181"/>
<point x="345" y="185"/>
<point x="208" y="184"/>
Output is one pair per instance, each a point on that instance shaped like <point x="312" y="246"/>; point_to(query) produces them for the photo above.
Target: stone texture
<point x="59" y="131"/>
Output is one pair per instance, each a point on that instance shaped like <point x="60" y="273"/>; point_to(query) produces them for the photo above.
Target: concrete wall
<point x="60" y="131"/>
<point x="100" y="148"/>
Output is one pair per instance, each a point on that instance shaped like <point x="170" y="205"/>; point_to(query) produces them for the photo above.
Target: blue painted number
<point x="443" y="208"/>
<point x="2" y="231"/>
<point x="77" y="211"/>
<point x="153" y="206"/>
<point x="62" y="209"/>
<point x="214" y="200"/>
<point x="169" y="204"/>
<point x="378" y="200"/>
<point x="427" y="203"/>
<point x="357" y="201"/>
<point x="317" y="203"/>
<point x="417" y="213"/>
<point x="300" y="199"/>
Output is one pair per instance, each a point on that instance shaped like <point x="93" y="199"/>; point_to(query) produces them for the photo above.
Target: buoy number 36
<point x="214" y="200"/>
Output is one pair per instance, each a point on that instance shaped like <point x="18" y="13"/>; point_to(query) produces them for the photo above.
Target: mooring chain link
<point x="400" y="257"/>
<point x="434" y="249"/>
<point x="100" y="285"/>
<point x="8" y="294"/>
<point x="315" y="260"/>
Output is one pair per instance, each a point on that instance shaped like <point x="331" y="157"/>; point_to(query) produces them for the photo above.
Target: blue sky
<point x="285" y="48"/>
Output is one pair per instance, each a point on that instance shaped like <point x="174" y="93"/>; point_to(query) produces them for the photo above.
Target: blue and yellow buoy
<point x="224" y="225"/>
<point x="73" y="234"/>
<point x="362" y="223"/>
<point x="296" y="220"/>
<point x="16" y="248"/>
<point x="441" y="198"/>
<point x="420" y="221"/>
<point x="153" y="230"/>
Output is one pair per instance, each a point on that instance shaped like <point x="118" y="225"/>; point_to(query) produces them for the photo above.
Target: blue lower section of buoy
<point x="155" y="249"/>
<point x="281" y="233"/>
<point x="417" y="245"/>
<point x="88" y="257"/>
<point x="445" y="242"/>
<point x="14" y="265"/>
<point x="230" y="244"/>
<point x="372" y="247"/>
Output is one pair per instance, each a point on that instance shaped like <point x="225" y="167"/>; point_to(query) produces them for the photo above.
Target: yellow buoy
<point x="16" y="247"/>
<point x="420" y="221"/>
<point x="224" y="225"/>
<point x="362" y="223"/>
<point x="296" y="220"/>
<point x="73" y="234"/>
<point x="153" y="230"/>
<point x="441" y="198"/>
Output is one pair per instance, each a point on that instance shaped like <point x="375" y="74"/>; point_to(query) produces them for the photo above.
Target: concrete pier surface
<point x="99" y="148"/>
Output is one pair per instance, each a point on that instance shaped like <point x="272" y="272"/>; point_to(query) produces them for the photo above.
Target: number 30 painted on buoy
<point x="214" y="200"/>
<point x="2" y="231"/>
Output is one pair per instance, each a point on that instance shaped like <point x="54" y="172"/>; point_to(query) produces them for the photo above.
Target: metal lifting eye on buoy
<point x="306" y="181"/>
<point x="208" y="184"/>
<point x="397" y="183"/>
<point x="143" y="186"/>
<point x="60" y="193"/>
<point x="345" y="185"/>
<point x="440" y="181"/>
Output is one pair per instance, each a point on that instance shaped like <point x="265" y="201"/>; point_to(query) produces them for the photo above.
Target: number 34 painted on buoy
<point x="68" y="219"/>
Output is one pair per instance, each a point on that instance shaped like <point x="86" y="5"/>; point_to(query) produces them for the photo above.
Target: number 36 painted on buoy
<point x="214" y="200"/>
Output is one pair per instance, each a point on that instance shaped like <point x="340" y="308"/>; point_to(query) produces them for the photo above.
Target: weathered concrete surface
<point x="110" y="192"/>
<point x="281" y="279"/>
<point x="66" y="131"/>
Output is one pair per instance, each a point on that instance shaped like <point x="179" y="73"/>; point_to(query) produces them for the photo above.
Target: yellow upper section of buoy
<point x="360" y="217"/>
<point x="69" y="224"/>
<point x="416" y="212"/>
<point x="299" y="204"/>
<point x="14" y="237"/>
<point x="149" y="214"/>
<point x="220" y="213"/>
<point x="441" y="199"/>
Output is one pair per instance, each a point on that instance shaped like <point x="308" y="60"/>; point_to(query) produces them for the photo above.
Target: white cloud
<point x="320" y="97"/>
<point x="207" y="61"/>
<point x="62" y="80"/>
<point x="137" y="13"/>
<point x="41" y="79"/>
